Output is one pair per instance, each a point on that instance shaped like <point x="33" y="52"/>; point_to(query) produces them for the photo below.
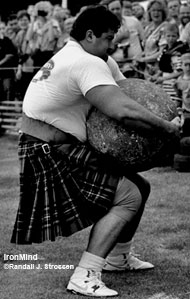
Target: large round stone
<point x="132" y="150"/>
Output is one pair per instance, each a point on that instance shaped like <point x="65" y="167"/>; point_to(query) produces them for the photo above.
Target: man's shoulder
<point x="73" y="46"/>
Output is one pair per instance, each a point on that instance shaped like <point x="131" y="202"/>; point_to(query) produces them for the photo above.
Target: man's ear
<point x="90" y="35"/>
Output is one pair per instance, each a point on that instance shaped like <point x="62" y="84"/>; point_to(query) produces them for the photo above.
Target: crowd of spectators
<point x="27" y="40"/>
<point x="152" y="43"/>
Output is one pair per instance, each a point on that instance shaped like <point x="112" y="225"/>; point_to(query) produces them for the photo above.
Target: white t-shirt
<point x="56" y="94"/>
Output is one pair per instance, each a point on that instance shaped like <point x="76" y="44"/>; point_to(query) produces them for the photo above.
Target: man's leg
<point x="103" y="237"/>
<point x="143" y="185"/>
<point x="121" y="257"/>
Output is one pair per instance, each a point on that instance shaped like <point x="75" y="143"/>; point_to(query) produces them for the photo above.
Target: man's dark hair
<point x="98" y="19"/>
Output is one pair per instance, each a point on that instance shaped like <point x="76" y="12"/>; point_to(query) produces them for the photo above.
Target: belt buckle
<point x="46" y="148"/>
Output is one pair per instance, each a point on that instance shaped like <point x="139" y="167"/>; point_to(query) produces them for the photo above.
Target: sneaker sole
<point x="127" y="270"/>
<point x="90" y="295"/>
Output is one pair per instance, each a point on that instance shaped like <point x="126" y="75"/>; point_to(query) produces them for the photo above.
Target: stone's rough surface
<point x="130" y="149"/>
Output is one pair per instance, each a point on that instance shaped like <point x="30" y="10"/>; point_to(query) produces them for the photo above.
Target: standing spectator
<point x="129" y="36"/>
<point x="8" y="61"/>
<point x="126" y="8"/>
<point x="25" y="69"/>
<point x="61" y="17"/>
<point x="2" y="28"/>
<point x="12" y="27"/>
<point x="184" y="22"/>
<point x="68" y="24"/>
<point x="173" y="11"/>
<point x="154" y="32"/>
<point x="44" y="33"/>
<point x="30" y="11"/>
<point x="139" y="12"/>
<point x="57" y="8"/>
<point x="182" y="86"/>
<point x="67" y="12"/>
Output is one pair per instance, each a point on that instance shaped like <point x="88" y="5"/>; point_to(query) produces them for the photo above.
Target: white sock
<point x="121" y="248"/>
<point x="91" y="261"/>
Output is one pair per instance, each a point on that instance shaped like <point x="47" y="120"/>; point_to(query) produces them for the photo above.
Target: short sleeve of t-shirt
<point x="89" y="72"/>
<point x="116" y="73"/>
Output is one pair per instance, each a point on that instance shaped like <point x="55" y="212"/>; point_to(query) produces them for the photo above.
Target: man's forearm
<point x="148" y="125"/>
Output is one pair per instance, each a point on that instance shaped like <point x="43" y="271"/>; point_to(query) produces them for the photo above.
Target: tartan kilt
<point x="60" y="192"/>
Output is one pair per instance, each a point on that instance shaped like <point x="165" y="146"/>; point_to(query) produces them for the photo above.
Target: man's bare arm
<point x="113" y="102"/>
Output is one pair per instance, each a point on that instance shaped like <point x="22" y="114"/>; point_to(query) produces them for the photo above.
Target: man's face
<point x="173" y="8"/>
<point x="115" y="8"/>
<point x="137" y="11"/>
<point x="101" y="45"/>
<point x="184" y="14"/>
<point x="23" y="22"/>
<point x="126" y="10"/>
<point x="13" y="24"/>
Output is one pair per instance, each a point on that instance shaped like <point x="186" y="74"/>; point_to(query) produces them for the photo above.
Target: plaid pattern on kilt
<point x="60" y="193"/>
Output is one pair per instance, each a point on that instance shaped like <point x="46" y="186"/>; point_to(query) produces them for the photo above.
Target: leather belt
<point x="44" y="131"/>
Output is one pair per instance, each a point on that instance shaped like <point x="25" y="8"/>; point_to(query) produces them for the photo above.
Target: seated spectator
<point x="8" y="61"/>
<point x="182" y="86"/>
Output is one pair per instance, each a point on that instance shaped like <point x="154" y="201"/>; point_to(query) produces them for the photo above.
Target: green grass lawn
<point x="163" y="238"/>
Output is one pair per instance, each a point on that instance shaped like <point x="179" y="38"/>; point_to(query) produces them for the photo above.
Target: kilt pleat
<point x="60" y="193"/>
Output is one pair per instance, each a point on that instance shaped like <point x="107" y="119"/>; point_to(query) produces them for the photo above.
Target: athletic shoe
<point x="88" y="282"/>
<point x="126" y="262"/>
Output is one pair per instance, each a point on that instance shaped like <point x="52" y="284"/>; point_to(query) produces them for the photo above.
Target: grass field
<point x="163" y="238"/>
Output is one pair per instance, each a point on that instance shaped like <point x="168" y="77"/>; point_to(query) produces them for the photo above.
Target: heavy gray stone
<point x="132" y="150"/>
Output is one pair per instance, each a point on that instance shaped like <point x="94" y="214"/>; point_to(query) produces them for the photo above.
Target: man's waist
<point x="44" y="131"/>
